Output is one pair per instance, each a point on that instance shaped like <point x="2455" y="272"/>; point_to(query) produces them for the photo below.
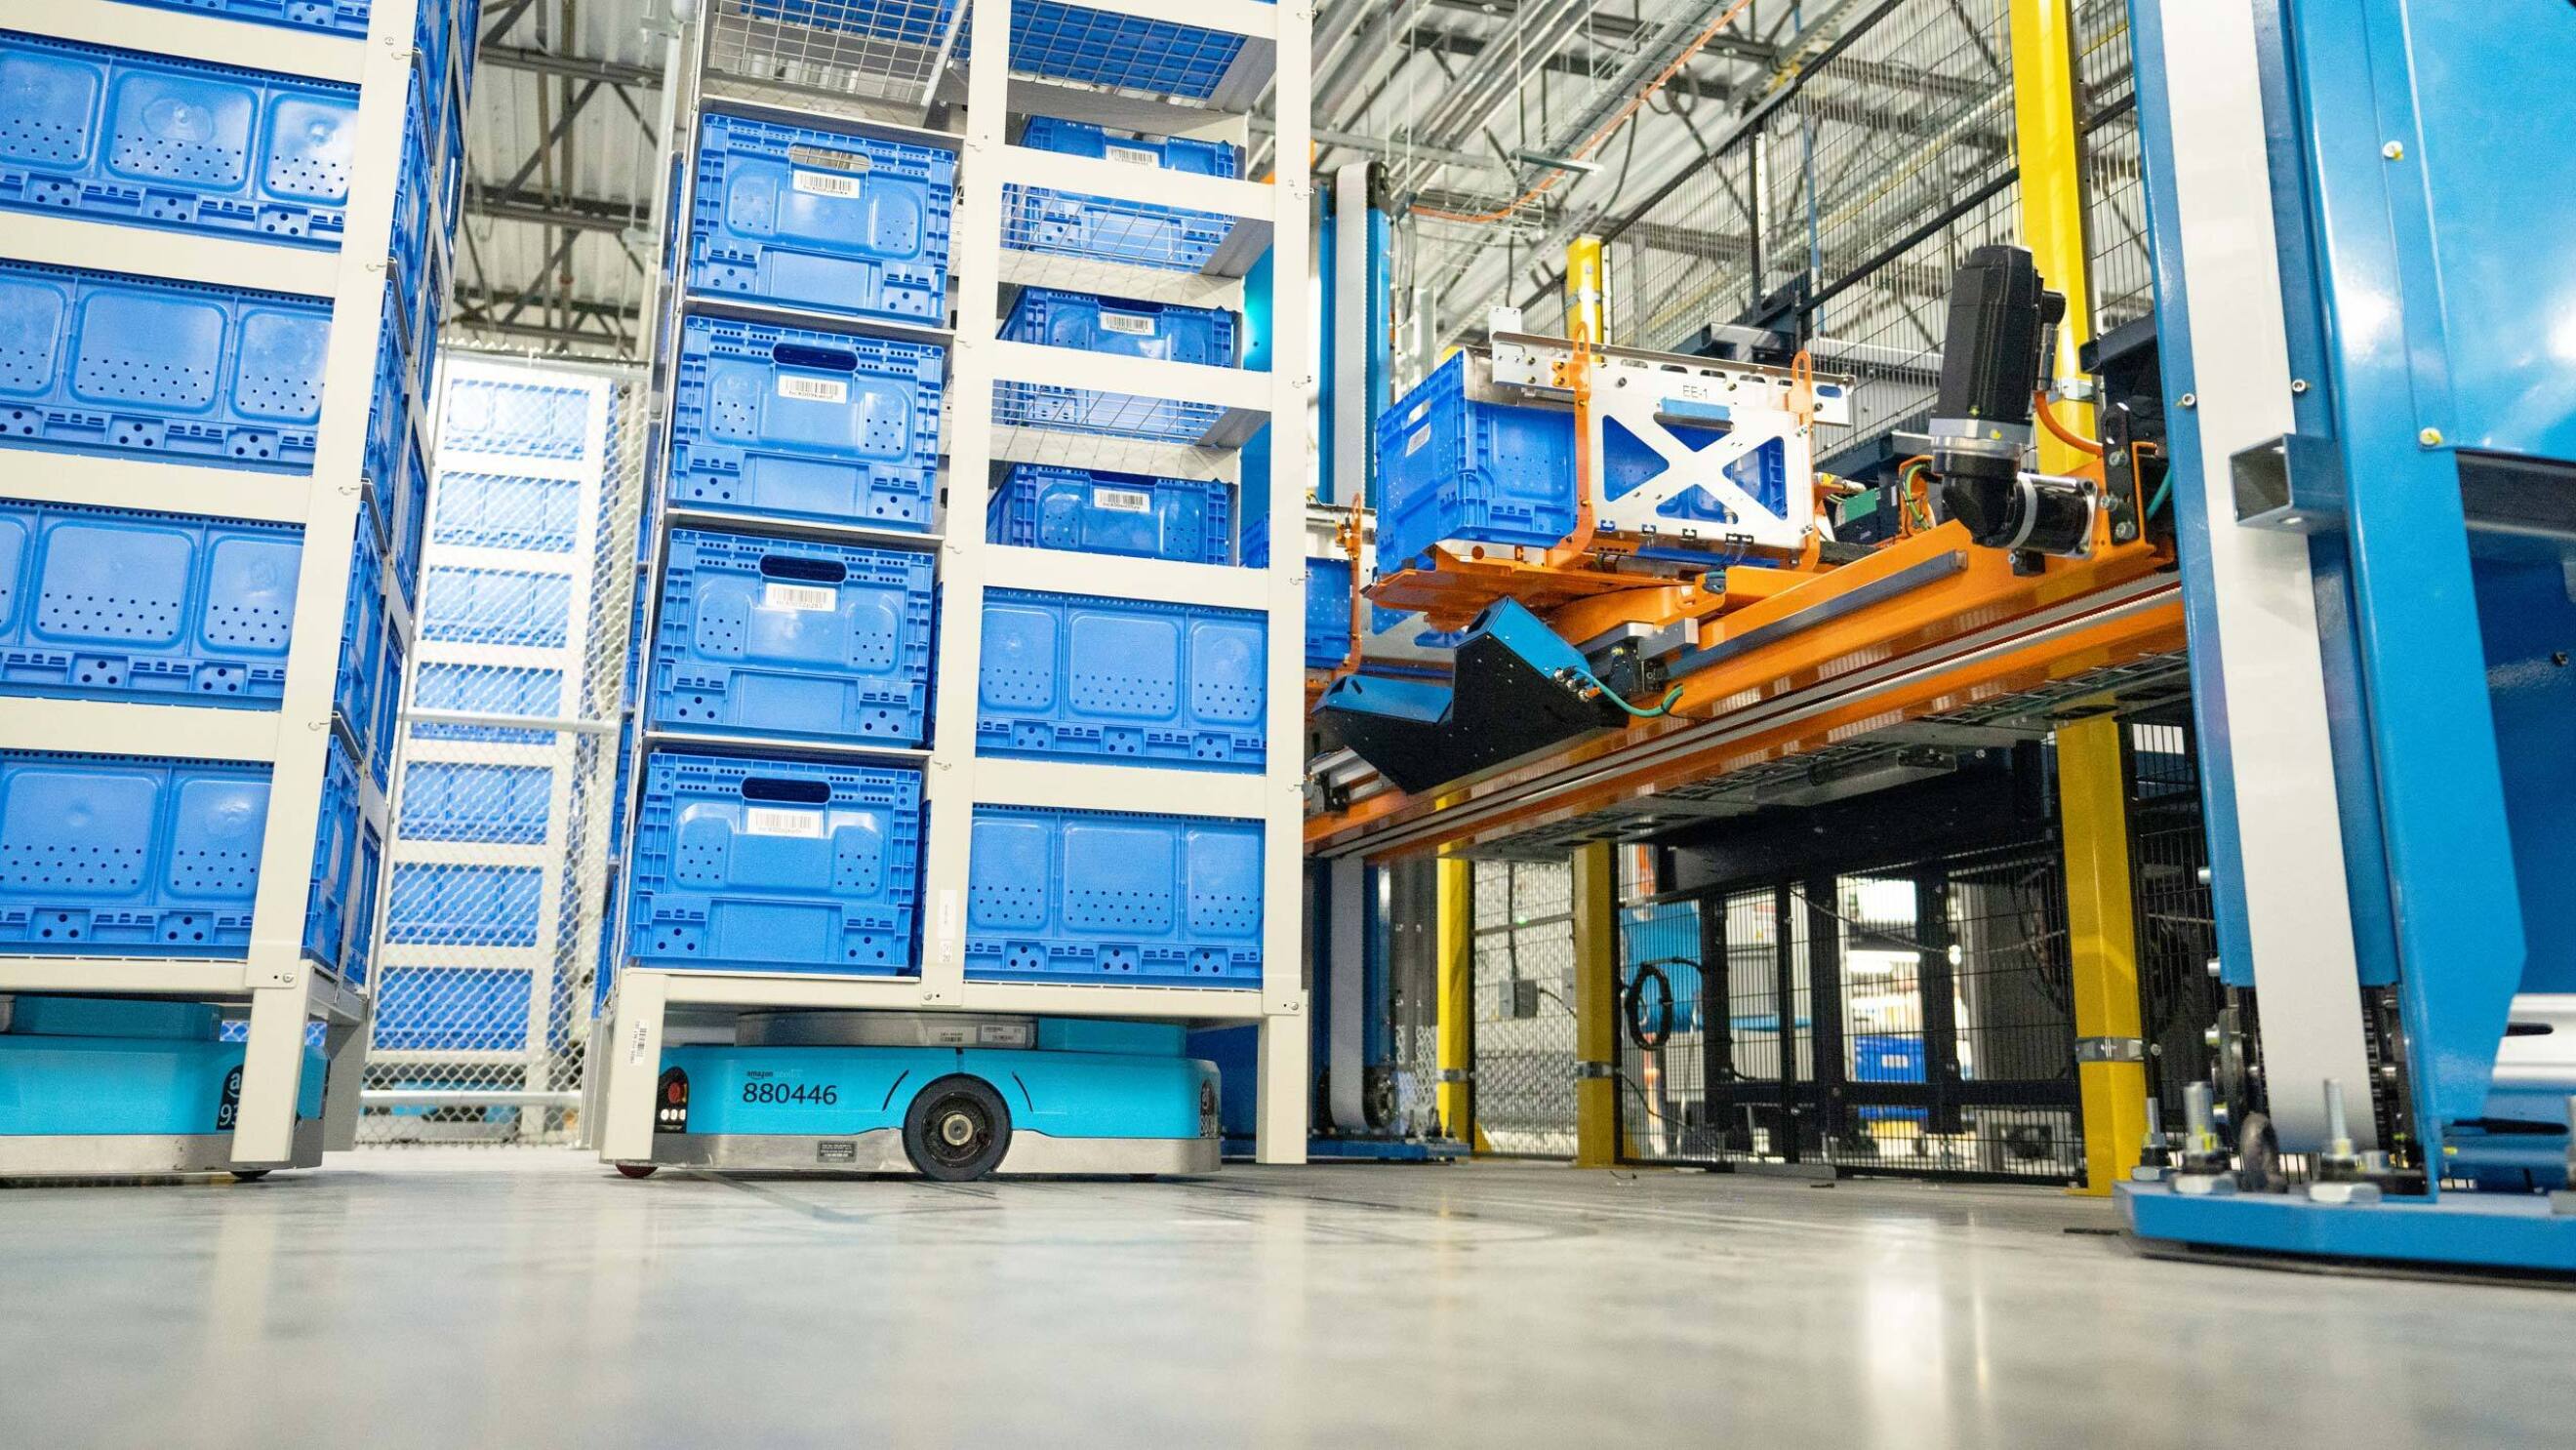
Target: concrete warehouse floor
<point x="463" y="1298"/>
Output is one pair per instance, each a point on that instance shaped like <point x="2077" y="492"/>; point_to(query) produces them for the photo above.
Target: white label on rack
<point x="1413" y="445"/>
<point x="1123" y="322"/>
<point x="947" y="932"/>
<point x="814" y="390"/>
<point x="824" y="183"/>
<point x="1123" y="500"/>
<point x="1131" y="155"/>
<point x="774" y="821"/>
<point x="775" y="595"/>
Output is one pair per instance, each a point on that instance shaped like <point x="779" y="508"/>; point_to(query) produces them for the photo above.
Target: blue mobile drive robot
<point x="75" y="1069"/>
<point x="952" y="1096"/>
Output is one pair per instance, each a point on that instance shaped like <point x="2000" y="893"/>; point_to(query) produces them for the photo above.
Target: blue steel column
<point x="2458" y="916"/>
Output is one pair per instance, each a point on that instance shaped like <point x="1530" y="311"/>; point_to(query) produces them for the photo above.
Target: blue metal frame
<point x="2427" y="292"/>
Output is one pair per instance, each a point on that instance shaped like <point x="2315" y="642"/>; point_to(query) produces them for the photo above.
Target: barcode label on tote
<point x="774" y="595"/>
<point x="1121" y="322"/>
<point x="1132" y="156"/>
<point x="827" y="159"/>
<point x="826" y="183"/>
<point x="1123" y="500"/>
<point x="773" y="821"/>
<point x="1414" y="444"/>
<point x="814" y="390"/>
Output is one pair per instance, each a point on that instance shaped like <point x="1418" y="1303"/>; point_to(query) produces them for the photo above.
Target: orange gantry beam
<point x="1786" y="635"/>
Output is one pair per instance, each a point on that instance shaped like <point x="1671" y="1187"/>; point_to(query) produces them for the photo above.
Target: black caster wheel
<point x="957" y="1129"/>
<point x="639" y="1170"/>
<point x="1143" y="1177"/>
<point x="249" y="1175"/>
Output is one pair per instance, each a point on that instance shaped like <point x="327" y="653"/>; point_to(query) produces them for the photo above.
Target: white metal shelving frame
<point x="281" y="990"/>
<point x="1272" y="216"/>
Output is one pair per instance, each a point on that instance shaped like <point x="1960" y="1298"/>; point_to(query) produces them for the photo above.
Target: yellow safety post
<point x="1586" y="290"/>
<point x="1596" y="1007"/>
<point x="2048" y="144"/>
<point x="1454" y="995"/>
<point x="2102" y="936"/>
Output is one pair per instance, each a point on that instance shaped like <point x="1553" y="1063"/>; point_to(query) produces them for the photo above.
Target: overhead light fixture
<point x="1556" y="163"/>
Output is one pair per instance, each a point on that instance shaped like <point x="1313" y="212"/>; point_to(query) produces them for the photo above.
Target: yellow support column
<point x="1454" y="993"/>
<point x="2102" y="936"/>
<point x="1596" y="1007"/>
<point x="1586" y="290"/>
<point x="2048" y="144"/>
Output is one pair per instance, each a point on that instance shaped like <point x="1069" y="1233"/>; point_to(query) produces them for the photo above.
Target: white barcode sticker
<point x="825" y="183"/>
<point x="1122" y="322"/>
<point x="1132" y="156"/>
<point x="813" y="390"/>
<point x="1123" y="500"/>
<point x="777" y="821"/>
<point x="776" y="595"/>
<point x="1414" y="444"/>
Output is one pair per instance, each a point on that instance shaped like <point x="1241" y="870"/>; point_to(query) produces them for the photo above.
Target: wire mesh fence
<point x="1841" y="208"/>
<point x="1911" y="1019"/>
<point x="1524" y="1006"/>
<point x="2122" y="282"/>
<point x="506" y="793"/>
<point x="2180" y="999"/>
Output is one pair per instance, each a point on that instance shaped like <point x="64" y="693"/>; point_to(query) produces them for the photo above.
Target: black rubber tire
<point x="639" y="1170"/>
<point x="249" y="1175"/>
<point x="957" y="1129"/>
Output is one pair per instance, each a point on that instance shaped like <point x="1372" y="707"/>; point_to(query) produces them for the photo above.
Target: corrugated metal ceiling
<point x="1465" y="100"/>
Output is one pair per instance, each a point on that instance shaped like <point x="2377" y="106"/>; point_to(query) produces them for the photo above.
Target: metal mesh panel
<point x="2115" y="198"/>
<point x="506" y="789"/>
<point x="1524" y="1033"/>
<point x="1690" y="262"/>
<point x="2177" y="929"/>
<point x="2015" y="1010"/>
<point x="889" y="51"/>
<point x="1850" y="202"/>
<point x="1914" y="1019"/>
<point x="1663" y="1034"/>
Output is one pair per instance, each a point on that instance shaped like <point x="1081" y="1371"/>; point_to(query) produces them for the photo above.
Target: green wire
<point x="1662" y="707"/>
<point x="2156" y="504"/>
<point x="1904" y="496"/>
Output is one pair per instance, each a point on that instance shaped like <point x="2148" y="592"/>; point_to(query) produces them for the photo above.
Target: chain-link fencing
<point x="1524" y="1007"/>
<point x="493" y="934"/>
